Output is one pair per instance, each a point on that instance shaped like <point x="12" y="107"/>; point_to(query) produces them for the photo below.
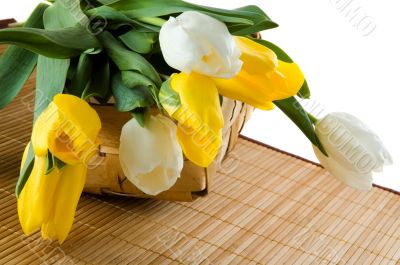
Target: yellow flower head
<point x="262" y="79"/>
<point x="68" y="129"/>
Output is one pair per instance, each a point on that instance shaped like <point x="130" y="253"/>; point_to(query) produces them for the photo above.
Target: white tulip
<point x="151" y="157"/>
<point x="354" y="150"/>
<point x="199" y="43"/>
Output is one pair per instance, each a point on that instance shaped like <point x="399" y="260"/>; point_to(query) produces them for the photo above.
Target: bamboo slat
<point x="265" y="207"/>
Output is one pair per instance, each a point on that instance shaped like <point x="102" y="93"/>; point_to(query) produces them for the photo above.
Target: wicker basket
<point x="105" y="175"/>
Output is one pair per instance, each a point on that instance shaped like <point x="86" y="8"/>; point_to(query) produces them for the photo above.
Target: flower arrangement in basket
<point x="144" y="98"/>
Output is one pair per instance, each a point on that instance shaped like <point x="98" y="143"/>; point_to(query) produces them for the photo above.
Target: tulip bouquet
<point x="171" y="64"/>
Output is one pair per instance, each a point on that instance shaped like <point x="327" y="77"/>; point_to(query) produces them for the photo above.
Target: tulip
<point x="262" y="79"/>
<point x="150" y="156"/>
<point x="213" y="62"/>
<point x="354" y="150"/>
<point x="67" y="128"/>
<point x="194" y="42"/>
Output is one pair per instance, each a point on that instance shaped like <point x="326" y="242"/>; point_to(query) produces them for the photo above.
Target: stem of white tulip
<point x="155" y="21"/>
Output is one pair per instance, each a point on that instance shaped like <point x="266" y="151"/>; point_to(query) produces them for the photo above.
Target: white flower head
<point x="196" y="42"/>
<point x="151" y="157"/>
<point x="354" y="150"/>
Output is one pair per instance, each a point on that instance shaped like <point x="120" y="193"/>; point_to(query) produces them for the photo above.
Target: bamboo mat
<point x="267" y="207"/>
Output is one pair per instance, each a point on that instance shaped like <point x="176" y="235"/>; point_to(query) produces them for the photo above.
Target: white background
<point x="348" y="68"/>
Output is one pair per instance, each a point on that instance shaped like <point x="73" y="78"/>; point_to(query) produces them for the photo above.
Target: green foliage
<point x="140" y="114"/>
<point x="115" y="19"/>
<point x="281" y="54"/>
<point x="241" y="21"/>
<point x="126" y="59"/>
<point x="51" y="75"/>
<point x="82" y="75"/>
<point x="26" y="170"/>
<point x="61" y="44"/>
<point x="133" y="79"/>
<point x="293" y="109"/>
<point x="99" y="84"/>
<point x="168" y="97"/>
<point x="140" y="42"/>
<point x="17" y="64"/>
<point x="65" y="14"/>
<point x="129" y="98"/>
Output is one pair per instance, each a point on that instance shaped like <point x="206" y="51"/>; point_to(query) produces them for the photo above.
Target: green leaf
<point x="115" y="19"/>
<point x="61" y="44"/>
<point x="293" y="109"/>
<point x="82" y="75"/>
<point x="53" y="162"/>
<point x="51" y="75"/>
<point x="169" y="99"/>
<point x="241" y="21"/>
<point x="260" y="21"/>
<point x="132" y="80"/>
<point x="126" y="59"/>
<point x="107" y="2"/>
<point x="100" y="80"/>
<point x="49" y="163"/>
<point x="128" y="99"/>
<point x="141" y="42"/>
<point x="17" y="64"/>
<point x="26" y="170"/>
<point x="65" y="14"/>
<point x="281" y="54"/>
<point x="111" y="15"/>
<point x="304" y="91"/>
<point x="58" y="163"/>
<point x="140" y="114"/>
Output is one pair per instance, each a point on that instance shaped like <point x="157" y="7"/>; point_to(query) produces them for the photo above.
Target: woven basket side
<point x="105" y="175"/>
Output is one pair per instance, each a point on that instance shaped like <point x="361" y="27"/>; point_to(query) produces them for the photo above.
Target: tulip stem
<point x="155" y="21"/>
<point x="164" y="77"/>
<point x="312" y="118"/>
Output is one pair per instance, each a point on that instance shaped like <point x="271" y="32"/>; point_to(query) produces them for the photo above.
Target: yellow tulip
<point x="262" y="79"/>
<point x="67" y="194"/>
<point x="199" y="117"/>
<point x="67" y="128"/>
<point x="33" y="202"/>
<point x="214" y="62"/>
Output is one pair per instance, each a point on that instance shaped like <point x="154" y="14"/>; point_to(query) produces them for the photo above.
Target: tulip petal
<point x="66" y="198"/>
<point x="151" y="157"/>
<point x="354" y="150"/>
<point x="200" y="118"/>
<point x="34" y="200"/>
<point x="293" y="76"/>
<point x="68" y="128"/>
<point x="352" y="143"/>
<point x="258" y="58"/>
<point x="354" y="179"/>
<point x="188" y="47"/>
<point x="24" y="156"/>
<point x="263" y="78"/>
<point x="179" y="49"/>
<point x="43" y="125"/>
<point x="75" y="139"/>
<point x="258" y="91"/>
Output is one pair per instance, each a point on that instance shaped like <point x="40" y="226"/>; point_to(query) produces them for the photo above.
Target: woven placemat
<point x="267" y="207"/>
